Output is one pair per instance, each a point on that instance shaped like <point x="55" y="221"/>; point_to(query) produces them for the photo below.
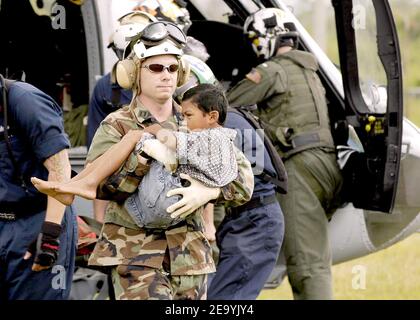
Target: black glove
<point x="45" y="247"/>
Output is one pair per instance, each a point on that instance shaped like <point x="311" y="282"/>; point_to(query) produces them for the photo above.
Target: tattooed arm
<point x="46" y="246"/>
<point x="59" y="169"/>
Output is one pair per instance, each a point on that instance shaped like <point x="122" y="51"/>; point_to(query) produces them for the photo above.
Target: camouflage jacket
<point x="123" y="242"/>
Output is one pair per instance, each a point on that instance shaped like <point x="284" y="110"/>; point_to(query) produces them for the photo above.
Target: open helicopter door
<point x="372" y="79"/>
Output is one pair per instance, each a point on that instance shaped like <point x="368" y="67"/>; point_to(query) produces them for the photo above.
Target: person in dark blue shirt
<point x="250" y="236"/>
<point x="38" y="235"/>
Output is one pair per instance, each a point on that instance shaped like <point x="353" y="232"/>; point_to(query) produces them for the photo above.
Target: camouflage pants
<point x="218" y="216"/>
<point x="144" y="283"/>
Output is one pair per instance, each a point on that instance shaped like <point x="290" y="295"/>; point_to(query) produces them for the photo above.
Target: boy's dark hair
<point x="208" y="97"/>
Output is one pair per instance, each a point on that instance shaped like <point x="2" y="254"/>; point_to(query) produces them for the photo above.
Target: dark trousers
<point x="249" y="243"/>
<point x="17" y="280"/>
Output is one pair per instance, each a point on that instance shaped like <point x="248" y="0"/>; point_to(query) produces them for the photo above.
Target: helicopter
<point x="64" y="53"/>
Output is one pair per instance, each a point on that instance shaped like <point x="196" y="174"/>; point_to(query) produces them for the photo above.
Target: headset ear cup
<point x="183" y="73"/>
<point x="126" y="73"/>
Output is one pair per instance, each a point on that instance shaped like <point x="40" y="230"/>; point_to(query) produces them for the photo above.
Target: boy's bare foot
<point x="46" y="187"/>
<point x="50" y="189"/>
<point x="79" y="188"/>
<point x="65" y="198"/>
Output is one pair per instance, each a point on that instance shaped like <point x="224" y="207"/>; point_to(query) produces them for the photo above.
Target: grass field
<point x="412" y="109"/>
<point x="393" y="273"/>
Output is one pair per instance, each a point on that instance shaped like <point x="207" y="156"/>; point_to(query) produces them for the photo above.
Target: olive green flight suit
<point x="292" y="106"/>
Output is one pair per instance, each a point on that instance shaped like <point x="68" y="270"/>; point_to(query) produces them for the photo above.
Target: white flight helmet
<point x="196" y="48"/>
<point x="170" y="10"/>
<point x="129" y="25"/>
<point x="200" y="73"/>
<point x="166" y="47"/>
<point x="158" y="38"/>
<point x="264" y="28"/>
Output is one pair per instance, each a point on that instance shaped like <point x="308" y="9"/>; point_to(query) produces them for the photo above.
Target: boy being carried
<point x="206" y="153"/>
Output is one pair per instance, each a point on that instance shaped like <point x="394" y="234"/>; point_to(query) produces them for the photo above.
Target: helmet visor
<point x="158" y="31"/>
<point x="176" y="33"/>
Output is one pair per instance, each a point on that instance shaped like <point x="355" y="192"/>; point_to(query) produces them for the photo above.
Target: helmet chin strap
<point x="281" y="42"/>
<point x="137" y="87"/>
<point x="289" y="39"/>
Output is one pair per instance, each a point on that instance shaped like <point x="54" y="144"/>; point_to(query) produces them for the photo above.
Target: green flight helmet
<point x="200" y="73"/>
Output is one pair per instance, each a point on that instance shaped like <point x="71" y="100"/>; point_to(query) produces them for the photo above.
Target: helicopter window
<point x="371" y="71"/>
<point x="250" y="5"/>
<point x="215" y="10"/>
<point x="317" y="17"/>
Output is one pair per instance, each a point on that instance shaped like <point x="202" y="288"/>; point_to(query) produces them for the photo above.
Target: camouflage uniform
<point x="292" y="106"/>
<point x="153" y="263"/>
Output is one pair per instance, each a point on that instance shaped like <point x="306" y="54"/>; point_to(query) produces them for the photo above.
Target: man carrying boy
<point x="157" y="264"/>
<point x="206" y="153"/>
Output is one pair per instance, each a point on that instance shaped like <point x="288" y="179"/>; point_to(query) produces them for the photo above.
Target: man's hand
<point x="45" y="247"/>
<point x="157" y="150"/>
<point x="193" y="197"/>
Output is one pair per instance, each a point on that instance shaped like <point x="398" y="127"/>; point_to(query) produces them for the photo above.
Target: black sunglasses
<point x="157" y="67"/>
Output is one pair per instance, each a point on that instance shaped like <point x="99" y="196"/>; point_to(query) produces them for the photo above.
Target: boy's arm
<point x="163" y="135"/>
